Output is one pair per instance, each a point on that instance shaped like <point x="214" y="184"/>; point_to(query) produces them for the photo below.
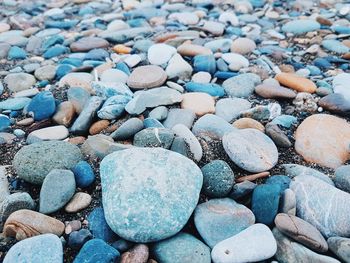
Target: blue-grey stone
<point x="251" y="150"/>
<point x="218" y="178"/>
<point x="4" y="122"/>
<point x="342" y="178"/>
<point x="230" y="108"/>
<point x="79" y="97"/>
<point x="152" y="98"/>
<point x="152" y="123"/>
<point x="170" y="190"/>
<point x="159" y="113"/>
<point x="219" y="219"/>
<point x="182" y="248"/>
<point x="97" y="54"/>
<point x="154" y="137"/>
<point x="96" y="250"/>
<point x="42" y="106"/>
<point x="212" y="126"/>
<point x="265" y="202"/>
<point x="39" y="249"/>
<point x="33" y="162"/>
<point x="57" y="189"/>
<point x="210" y="88"/>
<point x="241" y="190"/>
<point x="55" y="51"/>
<point x="281" y="181"/>
<point x="128" y="129"/>
<point x="205" y="63"/>
<point x="99" y="227"/>
<point x="340" y="247"/>
<point x="335" y="46"/>
<point x="122" y="245"/>
<point x="14" y="103"/>
<point x="219" y="45"/>
<point x="14" y="202"/>
<point x="83" y="174"/>
<point x="113" y="107"/>
<point x="300" y="26"/>
<point x="241" y="86"/>
<point x="293" y="170"/>
<point x="121" y="36"/>
<point x="179" y="116"/>
<point x="322" y="205"/>
<point x="77" y="239"/>
<point x="85" y="118"/>
<point x="285" y="120"/>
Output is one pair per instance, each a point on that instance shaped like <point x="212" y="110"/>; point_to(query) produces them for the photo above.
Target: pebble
<point x="201" y="77"/>
<point x="45" y="73"/>
<point x="35" y="249"/>
<point x="301" y="26"/>
<point x="243" y="46"/>
<point x="78" y="202"/>
<point x="24" y="223"/>
<point x="230" y="108"/>
<point x="335" y="203"/>
<point x="179" y="247"/>
<point x="255" y="243"/>
<point x="14" y="202"/>
<point x="128" y="129"/>
<point x="14" y="103"/>
<point x="296" y="83"/>
<point x="339" y="246"/>
<point x="301" y="231"/>
<point x="19" y="81"/>
<point x="181" y="131"/>
<point x="178" y="67"/>
<point x="138" y="253"/>
<point x="248" y="123"/>
<point x="83" y="174"/>
<point x="78" y="238"/>
<point x="160" y="54"/>
<point x="42" y="106"/>
<point x="96" y="250"/>
<point x="235" y="61"/>
<point x="274" y="92"/>
<point x="251" y="150"/>
<point x="57" y="189"/>
<point x="212" y="126"/>
<point x="125" y="165"/>
<point x="154" y="137"/>
<point x="88" y="43"/>
<point x="200" y="103"/>
<point x="277" y="135"/>
<point x="48" y="134"/>
<point x="179" y="116"/>
<point x="241" y="86"/>
<point x="320" y="134"/>
<point x="218" y="179"/>
<point x="342" y="178"/>
<point x="340" y="85"/>
<point x="219" y="219"/>
<point x="32" y="163"/>
<point x="99" y="227"/>
<point x="146" y="77"/>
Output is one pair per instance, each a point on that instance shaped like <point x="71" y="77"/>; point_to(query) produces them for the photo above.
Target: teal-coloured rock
<point x="33" y="162"/>
<point x="14" y="202"/>
<point x="57" y="189"/>
<point x="212" y="125"/>
<point x="42" y="106"/>
<point x="113" y="107"/>
<point x="154" y="137"/>
<point x="241" y="86"/>
<point x="182" y="248"/>
<point x="322" y="205"/>
<point x="4" y="122"/>
<point x="16" y="53"/>
<point x="293" y="170"/>
<point x="335" y="46"/>
<point x="265" y="202"/>
<point x="210" y="88"/>
<point x="285" y="120"/>
<point x="299" y="27"/>
<point x="39" y="249"/>
<point x="148" y="194"/>
<point x="218" y="179"/>
<point x="219" y="219"/>
<point x="96" y="250"/>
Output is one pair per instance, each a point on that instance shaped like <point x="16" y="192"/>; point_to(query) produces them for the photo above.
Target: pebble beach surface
<point x="174" y="131"/>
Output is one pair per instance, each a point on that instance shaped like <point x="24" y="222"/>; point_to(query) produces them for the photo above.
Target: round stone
<point x="148" y="194"/>
<point x="218" y="178"/>
<point x="199" y="102"/>
<point x="323" y="139"/>
<point x="243" y="46"/>
<point x="251" y="150"/>
<point x="150" y="76"/>
<point x="19" y="81"/>
<point x="159" y="54"/>
<point x="32" y="163"/>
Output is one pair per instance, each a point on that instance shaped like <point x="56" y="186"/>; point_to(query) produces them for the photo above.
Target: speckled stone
<point x="150" y="76"/>
<point x="219" y="219"/>
<point x="171" y="179"/>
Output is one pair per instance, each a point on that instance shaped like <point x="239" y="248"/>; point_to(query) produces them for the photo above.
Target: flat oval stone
<point x="182" y="247"/>
<point x="321" y="134"/>
<point x="248" y="123"/>
<point x="274" y="92"/>
<point x="243" y="46"/>
<point x="88" y="43"/>
<point x="296" y="82"/>
<point x="48" y="134"/>
<point x="19" y="81"/>
<point x="78" y="202"/>
<point x="256" y="243"/>
<point x="219" y="219"/>
<point x="230" y="108"/>
<point x="36" y="249"/>
<point x="32" y="163"/>
<point x="171" y="179"/>
<point x="301" y="231"/>
<point x="301" y="26"/>
<point x="150" y="76"/>
<point x="200" y="103"/>
<point x="212" y="126"/>
<point x="27" y="223"/>
<point x="251" y="150"/>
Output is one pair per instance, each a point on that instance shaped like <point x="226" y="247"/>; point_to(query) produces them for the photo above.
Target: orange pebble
<point x="121" y="49"/>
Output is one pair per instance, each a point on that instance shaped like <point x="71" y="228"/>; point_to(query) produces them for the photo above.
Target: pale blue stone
<point x="110" y="89"/>
<point x="14" y="103"/>
<point x="285" y="120"/>
<point x="148" y="194"/>
<point x="212" y="126"/>
<point x="182" y="248"/>
<point x="4" y="122"/>
<point x="113" y="107"/>
<point x="39" y="249"/>
<point x="241" y="86"/>
<point x="301" y="26"/>
<point x="335" y="46"/>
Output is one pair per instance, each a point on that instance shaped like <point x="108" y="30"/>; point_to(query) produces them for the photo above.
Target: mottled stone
<point x="154" y="137"/>
<point x="143" y="77"/>
<point x="230" y="108"/>
<point x="96" y="250"/>
<point x="171" y="178"/>
<point x="340" y="247"/>
<point x="212" y="126"/>
<point x="219" y="219"/>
